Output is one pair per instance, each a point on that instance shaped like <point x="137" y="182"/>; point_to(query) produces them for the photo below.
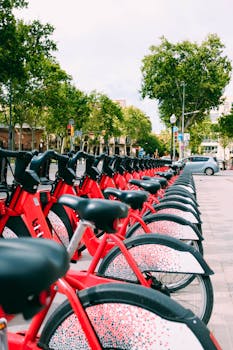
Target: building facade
<point x="214" y="147"/>
<point x="22" y="138"/>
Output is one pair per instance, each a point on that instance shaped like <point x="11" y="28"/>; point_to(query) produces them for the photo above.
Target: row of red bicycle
<point x="147" y="286"/>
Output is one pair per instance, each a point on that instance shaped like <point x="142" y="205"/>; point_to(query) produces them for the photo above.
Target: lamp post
<point x="10" y="129"/>
<point x="182" y="119"/>
<point x="172" y="121"/>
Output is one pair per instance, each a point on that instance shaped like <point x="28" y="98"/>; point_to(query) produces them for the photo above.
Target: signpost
<point x="71" y="132"/>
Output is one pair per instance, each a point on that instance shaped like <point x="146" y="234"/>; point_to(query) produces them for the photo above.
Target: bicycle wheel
<point x="60" y="224"/>
<point x="166" y="269"/>
<point x="15" y="227"/>
<point x="171" y="225"/>
<point x="196" y="294"/>
<point x="126" y="317"/>
<point x="183" y="201"/>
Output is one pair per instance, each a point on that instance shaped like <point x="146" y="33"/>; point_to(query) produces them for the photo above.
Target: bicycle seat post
<point x="77" y="236"/>
<point x="3" y="334"/>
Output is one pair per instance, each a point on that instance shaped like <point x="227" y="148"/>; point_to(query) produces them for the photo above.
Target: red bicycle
<point x="110" y="168"/>
<point x="148" y="252"/>
<point x="174" y="204"/>
<point x="90" y="186"/>
<point x="107" y="316"/>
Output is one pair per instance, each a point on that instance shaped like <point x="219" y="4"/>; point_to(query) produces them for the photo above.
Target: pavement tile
<point x="215" y="197"/>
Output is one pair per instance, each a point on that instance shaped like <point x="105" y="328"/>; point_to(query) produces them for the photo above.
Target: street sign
<point x="180" y="137"/>
<point x="78" y="133"/>
<point x="141" y="152"/>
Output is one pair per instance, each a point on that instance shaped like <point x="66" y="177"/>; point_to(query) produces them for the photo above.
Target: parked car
<point x="199" y="164"/>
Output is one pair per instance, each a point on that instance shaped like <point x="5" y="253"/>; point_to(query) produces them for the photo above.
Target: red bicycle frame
<point x="72" y="281"/>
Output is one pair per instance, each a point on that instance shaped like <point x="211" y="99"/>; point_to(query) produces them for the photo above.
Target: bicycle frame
<point x="27" y="205"/>
<point x="73" y="281"/>
<point x="92" y="189"/>
<point x="29" y="339"/>
<point x="107" y="181"/>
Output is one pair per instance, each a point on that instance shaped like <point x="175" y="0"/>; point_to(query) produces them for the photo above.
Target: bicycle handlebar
<point x="22" y="159"/>
<point x="73" y="161"/>
<point x="16" y="154"/>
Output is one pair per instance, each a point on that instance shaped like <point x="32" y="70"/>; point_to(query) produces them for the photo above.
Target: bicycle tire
<point x="145" y="250"/>
<point x="201" y="288"/>
<point x="60" y="223"/>
<point x="126" y="317"/>
<point x="15" y="228"/>
<point x="169" y="194"/>
<point x="188" y="213"/>
<point x="180" y="210"/>
<point x="156" y="223"/>
<point x="181" y="200"/>
<point x="178" y="191"/>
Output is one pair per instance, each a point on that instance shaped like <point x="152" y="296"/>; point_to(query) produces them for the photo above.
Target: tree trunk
<point x="47" y="141"/>
<point x="20" y="137"/>
<point x="33" y="138"/>
<point x="63" y="143"/>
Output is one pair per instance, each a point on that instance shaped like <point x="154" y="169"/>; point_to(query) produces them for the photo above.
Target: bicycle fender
<point x="154" y="252"/>
<point x="169" y="320"/>
<point x="173" y="225"/>
<point x="178" y="209"/>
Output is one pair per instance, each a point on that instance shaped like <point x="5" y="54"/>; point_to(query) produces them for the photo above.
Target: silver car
<point x="201" y="164"/>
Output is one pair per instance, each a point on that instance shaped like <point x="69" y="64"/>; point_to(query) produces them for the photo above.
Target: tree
<point x="64" y="102"/>
<point x="198" y="72"/>
<point x="136" y="124"/>
<point x="225" y="124"/>
<point x="224" y="128"/>
<point x="151" y="144"/>
<point x="201" y="129"/>
<point x="11" y="50"/>
<point x="23" y="48"/>
<point x="105" y="116"/>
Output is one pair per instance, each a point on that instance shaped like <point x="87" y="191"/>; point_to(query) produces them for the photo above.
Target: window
<point x="200" y="159"/>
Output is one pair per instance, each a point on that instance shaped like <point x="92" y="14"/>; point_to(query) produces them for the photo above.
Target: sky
<point x="101" y="43"/>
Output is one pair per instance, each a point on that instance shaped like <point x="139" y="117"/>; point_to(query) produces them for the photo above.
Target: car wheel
<point x="209" y="171"/>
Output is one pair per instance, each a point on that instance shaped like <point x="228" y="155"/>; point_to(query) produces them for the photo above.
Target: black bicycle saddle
<point x="28" y="267"/>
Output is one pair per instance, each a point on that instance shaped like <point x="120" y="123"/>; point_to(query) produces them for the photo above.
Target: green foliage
<point x="224" y="129"/>
<point x="202" y="70"/>
<point x="24" y="52"/>
<point x="165" y="138"/>
<point x="11" y="49"/>
<point x="105" y="115"/>
<point x="151" y="144"/>
<point x="136" y="124"/>
<point x="201" y="130"/>
<point x="225" y="125"/>
<point x="7" y="6"/>
<point x="65" y="102"/>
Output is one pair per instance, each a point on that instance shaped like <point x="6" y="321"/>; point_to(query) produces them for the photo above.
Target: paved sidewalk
<point x="215" y="197"/>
